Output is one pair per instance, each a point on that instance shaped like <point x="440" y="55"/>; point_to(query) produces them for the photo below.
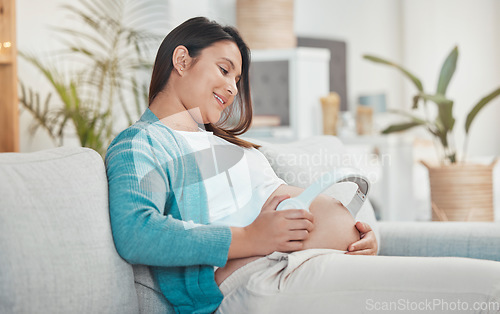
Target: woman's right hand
<point x="283" y="231"/>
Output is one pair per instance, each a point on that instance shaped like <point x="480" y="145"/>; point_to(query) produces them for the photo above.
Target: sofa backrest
<point x="56" y="248"/>
<point x="301" y="163"/>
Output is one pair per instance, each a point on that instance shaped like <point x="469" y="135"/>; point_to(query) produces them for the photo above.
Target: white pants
<point x="328" y="281"/>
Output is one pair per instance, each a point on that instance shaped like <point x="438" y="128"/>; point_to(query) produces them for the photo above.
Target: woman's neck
<point x="171" y="112"/>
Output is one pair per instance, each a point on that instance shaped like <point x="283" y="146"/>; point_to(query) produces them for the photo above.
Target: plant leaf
<point x="437" y="99"/>
<point x="480" y="105"/>
<point x="447" y="71"/>
<point x="445" y="110"/>
<point x="412" y="77"/>
<point x="446" y="115"/>
<point x="416" y="98"/>
<point x="409" y="115"/>
<point x="401" y="127"/>
<point x="41" y="116"/>
<point x="441" y="134"/>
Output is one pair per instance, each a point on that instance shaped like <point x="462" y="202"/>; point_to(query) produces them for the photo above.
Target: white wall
<point x="418" y="33"/>
<point x="223" y="11"/>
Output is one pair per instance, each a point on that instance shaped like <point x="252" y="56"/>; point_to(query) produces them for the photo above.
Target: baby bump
<point x="333" y="223"/>
<point x="333" y="229"/>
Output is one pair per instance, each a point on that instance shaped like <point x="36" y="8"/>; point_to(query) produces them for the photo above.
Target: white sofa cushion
<point x="301" y="162"/>
<point x="56" y="248"/>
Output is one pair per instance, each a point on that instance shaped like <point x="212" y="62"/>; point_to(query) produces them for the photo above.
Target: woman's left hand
<point x="367" y="245"/>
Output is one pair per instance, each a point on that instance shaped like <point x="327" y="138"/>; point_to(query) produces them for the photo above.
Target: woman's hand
<point x="367" y="245"/>
<point x="283" y="231"/>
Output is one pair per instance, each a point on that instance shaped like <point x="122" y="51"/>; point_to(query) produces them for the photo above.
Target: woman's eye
<point x="224" y="71"/>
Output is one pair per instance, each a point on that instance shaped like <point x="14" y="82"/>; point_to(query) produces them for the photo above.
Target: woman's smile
<point x="220" y="100"/>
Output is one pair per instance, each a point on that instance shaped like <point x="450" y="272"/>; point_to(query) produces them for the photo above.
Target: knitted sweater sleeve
<point x="139" y="191"/>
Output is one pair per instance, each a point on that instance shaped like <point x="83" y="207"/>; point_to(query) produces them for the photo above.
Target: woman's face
<point x="209" y="81"/>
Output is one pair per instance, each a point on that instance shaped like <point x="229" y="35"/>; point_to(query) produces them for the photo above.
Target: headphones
<point x="304" y="200"/>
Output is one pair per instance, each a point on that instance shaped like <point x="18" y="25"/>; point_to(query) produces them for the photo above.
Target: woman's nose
<point x="232" y="88"/>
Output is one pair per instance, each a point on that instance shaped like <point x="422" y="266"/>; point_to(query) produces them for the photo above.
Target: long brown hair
<point x="197" y="34"/>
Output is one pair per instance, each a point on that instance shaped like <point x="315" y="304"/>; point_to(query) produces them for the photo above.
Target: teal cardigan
<point x="159" y="214"/>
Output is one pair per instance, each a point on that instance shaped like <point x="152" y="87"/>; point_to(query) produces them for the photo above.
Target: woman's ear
<point x="181" y="59"/>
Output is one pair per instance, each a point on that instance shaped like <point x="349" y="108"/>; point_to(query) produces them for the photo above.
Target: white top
<point x="238" y="180"/>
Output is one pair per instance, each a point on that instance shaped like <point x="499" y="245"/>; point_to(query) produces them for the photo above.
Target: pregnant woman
<point x="197" y="204"/>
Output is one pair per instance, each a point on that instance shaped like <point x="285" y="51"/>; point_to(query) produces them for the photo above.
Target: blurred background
<point x="418" y="34"/>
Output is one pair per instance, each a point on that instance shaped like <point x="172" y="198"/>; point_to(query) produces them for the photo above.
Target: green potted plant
<point x="459" y="190"/>
<point x="100" y="80"/>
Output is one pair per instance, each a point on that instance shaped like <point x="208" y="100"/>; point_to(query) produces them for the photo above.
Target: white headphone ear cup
<point x="291" y="203"/>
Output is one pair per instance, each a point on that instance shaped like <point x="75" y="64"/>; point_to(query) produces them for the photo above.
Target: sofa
<point x="56" y="248"/>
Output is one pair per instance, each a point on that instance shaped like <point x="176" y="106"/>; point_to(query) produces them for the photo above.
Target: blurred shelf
<point x="6" y="59"/>
<point x="9" y="104"/>
<point x="376" y="139"/>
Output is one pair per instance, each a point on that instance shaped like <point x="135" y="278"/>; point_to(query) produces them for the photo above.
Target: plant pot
<point x="461" y="192"/>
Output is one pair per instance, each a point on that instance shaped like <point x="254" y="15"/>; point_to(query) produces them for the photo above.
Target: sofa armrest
<point x="463" y="239"/>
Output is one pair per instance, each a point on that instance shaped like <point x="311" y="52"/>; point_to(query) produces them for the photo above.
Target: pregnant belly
<point x="333" y="229"/>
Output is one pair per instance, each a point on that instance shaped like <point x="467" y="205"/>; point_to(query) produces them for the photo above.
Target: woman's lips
<point x="221" y="101"/>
